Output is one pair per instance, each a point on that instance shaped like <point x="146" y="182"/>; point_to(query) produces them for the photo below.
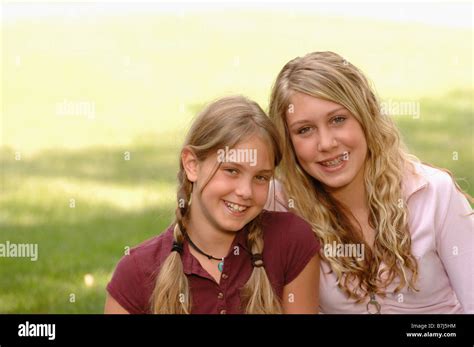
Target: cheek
<point x="304" y="149"/>
<point x="219" y="185"/>
<point x="260" y="194"/>
<point x="364" y="148"/>
<point x="356" y="140"/>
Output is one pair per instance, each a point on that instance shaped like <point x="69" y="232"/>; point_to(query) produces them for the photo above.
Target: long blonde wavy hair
<point x="225" y="122"/>
<point x="328" y="76"/>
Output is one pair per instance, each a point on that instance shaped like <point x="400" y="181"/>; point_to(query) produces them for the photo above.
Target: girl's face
<point x="238" y="190"/>
<point x="328" y="140"/>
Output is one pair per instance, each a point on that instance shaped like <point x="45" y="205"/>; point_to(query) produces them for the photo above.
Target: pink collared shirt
<point x="442" y="229"/>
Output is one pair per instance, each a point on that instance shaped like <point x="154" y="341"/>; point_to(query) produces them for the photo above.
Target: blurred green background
<point x="84" y="91"/>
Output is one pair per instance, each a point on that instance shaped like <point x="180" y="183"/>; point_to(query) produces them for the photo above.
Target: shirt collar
<point x="192" y="266"/>
<point x="413" y="181"/>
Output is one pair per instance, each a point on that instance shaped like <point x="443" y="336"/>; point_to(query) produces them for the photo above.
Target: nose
<point x="244" y="189"/>
<point x="326" y="140"/>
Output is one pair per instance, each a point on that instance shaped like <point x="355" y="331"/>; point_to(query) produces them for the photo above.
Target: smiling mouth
<point x="235" y="207"/>
<point x="335" y="161"/>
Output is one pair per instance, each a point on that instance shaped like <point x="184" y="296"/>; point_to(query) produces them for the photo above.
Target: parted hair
<point x="328" y="76"/>
<point x="224" y="122"/>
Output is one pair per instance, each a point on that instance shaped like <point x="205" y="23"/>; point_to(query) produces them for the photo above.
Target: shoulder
<point x="133" y="279"/>
<point x="151" y="253"/>
<point x="436" y="178"/>
<point x="281" y="221"/>
<point x="290" y="242"/>
<point x="286" y="228"/>
<point x="434" y="197"/>
<point x="427" y="180"/>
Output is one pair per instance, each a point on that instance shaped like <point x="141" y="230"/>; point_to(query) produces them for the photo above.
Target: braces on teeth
<point x="337" y="161"/>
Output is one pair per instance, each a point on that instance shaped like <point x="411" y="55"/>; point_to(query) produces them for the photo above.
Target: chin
<point x="335" y="183"/>
<point x="236" y="225"/>
<point x="232" y="227"/>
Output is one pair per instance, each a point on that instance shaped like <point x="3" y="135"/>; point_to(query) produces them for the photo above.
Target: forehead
<point x="304" y="105"/>
<point x="254" y="153"/>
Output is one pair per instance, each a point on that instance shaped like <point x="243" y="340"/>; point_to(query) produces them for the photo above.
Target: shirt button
<point x="223" y="312"/>
<point x="224" y="276"/>
<point x="220" y="295"/>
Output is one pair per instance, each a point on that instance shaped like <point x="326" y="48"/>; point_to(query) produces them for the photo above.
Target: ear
<point x="190" y="163"/>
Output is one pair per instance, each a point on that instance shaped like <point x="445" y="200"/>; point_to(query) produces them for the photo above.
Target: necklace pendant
<point x="373" y="306"/>
<point x="220" y="266"/>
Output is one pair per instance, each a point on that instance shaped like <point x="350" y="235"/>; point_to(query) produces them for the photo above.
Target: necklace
<point x="373" y="305"/>
<point x="220" y="265"/>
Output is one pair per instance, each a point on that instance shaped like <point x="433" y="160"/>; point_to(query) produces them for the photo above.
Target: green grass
<point x="114" y="208"/>
<point x="443" y="135"/>
<point x="176" y="64"/>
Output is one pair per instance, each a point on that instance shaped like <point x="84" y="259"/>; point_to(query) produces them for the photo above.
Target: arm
<point x="302" y="294"/>
<point x="126" y="290"/>
<point x="455" y="246"/>
<point x="113" y="307"/>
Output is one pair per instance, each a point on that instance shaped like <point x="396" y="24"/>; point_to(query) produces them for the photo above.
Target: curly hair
<point x="328" y="76"/>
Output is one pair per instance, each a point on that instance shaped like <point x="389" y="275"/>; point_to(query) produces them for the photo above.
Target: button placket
<point x="222" y="305"/>
<point x="222" y="289"/>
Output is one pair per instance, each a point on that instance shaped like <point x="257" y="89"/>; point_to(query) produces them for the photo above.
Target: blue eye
<point x="262" y="178"/>
<point x="233" y="172"/>
<point x="304" y="130"/>
<point x="338" y="119"/>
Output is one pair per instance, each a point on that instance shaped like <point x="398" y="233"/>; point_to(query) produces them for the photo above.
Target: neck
<point x="208" y="238"/>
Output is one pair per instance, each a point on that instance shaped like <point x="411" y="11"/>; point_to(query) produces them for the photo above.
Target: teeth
<point x="333" y="162"/>
<point x="235" y="207"/>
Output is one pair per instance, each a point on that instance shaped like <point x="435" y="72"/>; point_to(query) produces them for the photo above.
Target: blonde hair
<point x="328" y="76"/>
<point x="224" y="122"/>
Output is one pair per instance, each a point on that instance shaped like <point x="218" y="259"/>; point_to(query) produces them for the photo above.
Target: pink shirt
<point x="442" y="242"/>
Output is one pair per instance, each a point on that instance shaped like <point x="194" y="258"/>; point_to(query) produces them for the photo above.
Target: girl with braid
<point x="223" y="253"/>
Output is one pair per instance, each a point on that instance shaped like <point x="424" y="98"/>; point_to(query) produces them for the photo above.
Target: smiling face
<point x="238" y="190"/>
<point x="328" y="140"/>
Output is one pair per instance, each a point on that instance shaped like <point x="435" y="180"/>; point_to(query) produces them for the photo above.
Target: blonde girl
<point x="397" y="235"/>
<point x="224" y="253"/>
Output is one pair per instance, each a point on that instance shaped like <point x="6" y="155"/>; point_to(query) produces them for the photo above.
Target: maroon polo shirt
<point x="289" y="244"/>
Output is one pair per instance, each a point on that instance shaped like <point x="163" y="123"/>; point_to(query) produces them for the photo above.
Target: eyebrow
<point x="241" y="166"/>
<point x="327" y="114"/>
